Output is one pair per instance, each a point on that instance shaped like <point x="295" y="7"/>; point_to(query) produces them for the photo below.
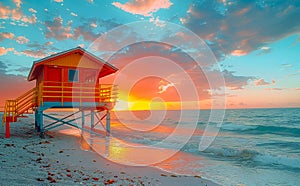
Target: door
<point x="53" y="84"/>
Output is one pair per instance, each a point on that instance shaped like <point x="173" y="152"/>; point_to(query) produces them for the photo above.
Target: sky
<point x="256" y="46"/>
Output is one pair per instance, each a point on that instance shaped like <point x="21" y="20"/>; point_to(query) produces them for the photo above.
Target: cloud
<point x="234" y="82"/>
<point x="4" y="51"/>
<point x="32" y="10"/>
<point x="6" y="35"/>
<point x="143" y="7"/>
<point x="16" y="14"/>
<point x="264" y="50"/>
<point x="90" y="1"/>
<point x="261" y="82"/>
<point x="238" y="53"/>
<point x="73" y="14"/>
<point x="94" y="25"/>
<point x="287" y="65"/>
<point x="240" y="27"/>
<point x="4" y="11"/>
<point x="22" y="40"/>
<point x="35" y="53"/>
<point x="56" y="29"/>
<point x="157" y="21"/>
<point x="164" y="86"/>
<point x="18" y="3"/>
<point x="39" y="50"/>
<point x="59" y="1"/>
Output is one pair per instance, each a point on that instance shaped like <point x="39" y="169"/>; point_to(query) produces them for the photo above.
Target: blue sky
<point x="256" y="43"/>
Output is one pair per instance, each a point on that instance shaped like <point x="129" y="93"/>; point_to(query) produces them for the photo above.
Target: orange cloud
<point x="143" y="7"/>
<point x="4" y="11"/>
<point x="18" y="3"/>
<point x="261" y="82"/>
<point x="3" y="50"/>
<point x="239" y="53"/>
<point x="32" y="10"/>
<point x="22" y="40"/>
<point x="16" y="14"/>
<point x="6" y="35"/>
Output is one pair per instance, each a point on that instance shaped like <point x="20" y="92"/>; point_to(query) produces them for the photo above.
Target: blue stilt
<point x="82" y="118"/>
<point x="92" y="119"/>
<point x="107" y="123"/>
<point x="36" y="121"/>
<point x="40" y="123"/>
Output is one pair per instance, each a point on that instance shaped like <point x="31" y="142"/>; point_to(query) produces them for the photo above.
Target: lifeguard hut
<point x="69" y="79"/>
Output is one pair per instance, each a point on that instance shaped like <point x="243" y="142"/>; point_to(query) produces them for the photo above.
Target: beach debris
<point x="96" y="179"/>
<point x="40" y="179"/>
<point x="50" y="174"/>
<point x="108" y="182"/>
<point x="46" y="166"/>
<point x="122" y="172"/>
<point x="44" y="142"/>
<point x="163" y="174"/>
<point x="173" y="175"/>
<point x="197" y="176"/>
<point x="61" y="151"/>
<point x="68" y="170"/>
<point x="39" y="159"/>
<point x="94" y="160"/>
<point x="9" y="145"/>
<point x="86" y="178"/>
<point x="69" y="175"/>
<point x="52" y="180"/>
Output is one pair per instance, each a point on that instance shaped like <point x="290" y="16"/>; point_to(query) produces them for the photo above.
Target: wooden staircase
<point x="13" y="109"/>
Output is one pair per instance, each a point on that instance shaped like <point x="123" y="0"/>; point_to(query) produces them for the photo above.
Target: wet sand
<point x="26" y="159"/>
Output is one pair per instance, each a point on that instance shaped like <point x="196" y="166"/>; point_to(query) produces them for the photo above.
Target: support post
<point x="7" y="128"/>
<point x="82" y="118"/>
<point x="92" y="119"/>
<point x="107" y="123"/>
<point x="40" y="123"/>
<point x="36" y="123"/>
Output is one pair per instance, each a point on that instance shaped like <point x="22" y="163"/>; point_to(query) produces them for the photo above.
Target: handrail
<point x="79" y="91"/>
<point x="16" y="107"/>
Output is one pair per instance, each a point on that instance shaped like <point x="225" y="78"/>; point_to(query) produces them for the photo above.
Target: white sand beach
<point x="26" y="159"/>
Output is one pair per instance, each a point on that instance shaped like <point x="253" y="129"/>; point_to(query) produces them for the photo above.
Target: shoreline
<point x="27" y="159"/>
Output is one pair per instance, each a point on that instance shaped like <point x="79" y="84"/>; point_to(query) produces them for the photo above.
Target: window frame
<point x="76" y="74"/>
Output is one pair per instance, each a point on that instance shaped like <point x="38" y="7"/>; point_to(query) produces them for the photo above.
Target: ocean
<point x="253" y="146"/>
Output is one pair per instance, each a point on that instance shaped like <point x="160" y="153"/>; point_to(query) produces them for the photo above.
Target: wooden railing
<point x="21" y="105"/>
<point x="59" y="92"/>
<point x="76" y="92"/>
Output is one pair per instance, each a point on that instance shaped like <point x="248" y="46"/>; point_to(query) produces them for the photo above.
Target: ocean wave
<point x="238" y="127"/>
<point x="243" y="154"/>
<point x="254" y="157"/>
<point x="266" y="159"/>
<point x="262" y="129"/>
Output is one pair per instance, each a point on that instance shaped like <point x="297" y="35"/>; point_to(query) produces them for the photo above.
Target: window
<point x="90" y="76"/>
<point x="73" y="75"/>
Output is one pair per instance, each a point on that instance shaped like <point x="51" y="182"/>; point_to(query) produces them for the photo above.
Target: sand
<point x="26" y="159"/>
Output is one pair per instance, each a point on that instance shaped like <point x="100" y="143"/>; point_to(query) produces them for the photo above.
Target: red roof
<point x="109" y="69"/>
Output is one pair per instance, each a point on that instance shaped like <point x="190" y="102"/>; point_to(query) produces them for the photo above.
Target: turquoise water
<point x="253" y="147"/>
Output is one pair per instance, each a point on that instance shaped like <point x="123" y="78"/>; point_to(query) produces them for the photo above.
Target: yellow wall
<point x="74" y="60"/>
